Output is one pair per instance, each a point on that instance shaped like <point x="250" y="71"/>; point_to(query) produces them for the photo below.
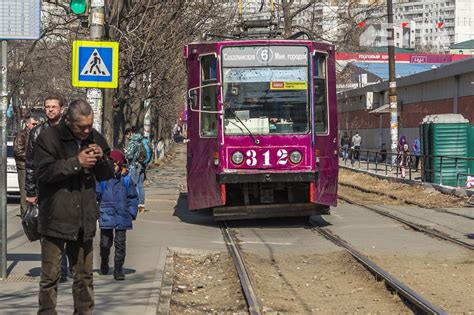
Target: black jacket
<point x="30" y="180"/>
<point x="67" y="194"/>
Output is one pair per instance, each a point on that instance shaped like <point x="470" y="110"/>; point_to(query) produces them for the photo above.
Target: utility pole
<point x="3" y="167"/>
<point x="94" y="96"/>
<point x="392" y="96"/>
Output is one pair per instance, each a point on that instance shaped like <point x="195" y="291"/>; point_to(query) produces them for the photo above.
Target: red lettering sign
<point x="278" y="85"/>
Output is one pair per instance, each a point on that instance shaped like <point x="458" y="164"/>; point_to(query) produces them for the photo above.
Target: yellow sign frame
<point x="76" y="82"/>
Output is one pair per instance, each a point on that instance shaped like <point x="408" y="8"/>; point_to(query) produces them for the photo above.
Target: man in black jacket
<point x="69" y="158"/>
<point x="53" y="108"/>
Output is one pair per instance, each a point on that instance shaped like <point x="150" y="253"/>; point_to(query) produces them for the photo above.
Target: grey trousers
<point x="80" y="253"/>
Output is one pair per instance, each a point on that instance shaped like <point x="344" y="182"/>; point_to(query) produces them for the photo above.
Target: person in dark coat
<point x="118" y="208"/>
<point x="20" y="145"/>
<point x="345" y="144"/>
<point x="403" y="157"/>
<point x="53" y="109"/>
<point x="68" y="160"/>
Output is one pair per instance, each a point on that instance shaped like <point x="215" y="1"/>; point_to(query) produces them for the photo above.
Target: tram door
<point x="203" y="190"/>
<point x="325" y="128"/>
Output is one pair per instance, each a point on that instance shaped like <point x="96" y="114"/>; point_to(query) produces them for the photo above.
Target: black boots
<point x="104" y="266"/>
<point x="118" y="274"/>
<point x="104" y="269"/>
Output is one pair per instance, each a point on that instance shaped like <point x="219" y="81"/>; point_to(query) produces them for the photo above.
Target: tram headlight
<point x="295" y="157"/>
<point x="237" y="157"/>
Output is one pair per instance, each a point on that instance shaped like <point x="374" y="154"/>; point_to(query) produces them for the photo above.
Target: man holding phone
<point x="68" y="159"/>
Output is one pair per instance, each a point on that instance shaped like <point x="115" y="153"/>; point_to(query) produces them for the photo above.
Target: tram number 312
<point x="252" y="158"/>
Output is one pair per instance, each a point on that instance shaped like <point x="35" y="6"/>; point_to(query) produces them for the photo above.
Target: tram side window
<point x="208" y="96"/>
<point x="320" y="95"/>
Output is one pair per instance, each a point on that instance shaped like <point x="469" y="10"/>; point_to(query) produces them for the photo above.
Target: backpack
<point x="142" y="155"/>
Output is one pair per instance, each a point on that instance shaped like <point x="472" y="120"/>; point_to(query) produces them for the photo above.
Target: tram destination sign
<point x="264" y="56"/>
<point x="20" y="19"/>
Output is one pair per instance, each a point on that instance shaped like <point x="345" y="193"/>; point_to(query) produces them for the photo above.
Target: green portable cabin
<point x="471" y="149"/>
<point x="445" y="136"/>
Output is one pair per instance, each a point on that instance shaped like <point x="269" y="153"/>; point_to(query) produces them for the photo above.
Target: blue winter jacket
<point x="118" y="204"/>
<point x="417" y="147"/>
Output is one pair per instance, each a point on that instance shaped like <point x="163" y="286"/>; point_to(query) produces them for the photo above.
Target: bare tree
<point x="152" y="34"/>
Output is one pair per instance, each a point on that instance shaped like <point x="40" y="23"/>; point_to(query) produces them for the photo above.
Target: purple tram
<point x="262" y="125"/>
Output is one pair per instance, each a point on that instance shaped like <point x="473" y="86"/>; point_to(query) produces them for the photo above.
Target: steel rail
<point x="415" y="226"/>
<point x="250" y="294"/>
<point x="419" y="301"/>
<point x="418" y="204"/>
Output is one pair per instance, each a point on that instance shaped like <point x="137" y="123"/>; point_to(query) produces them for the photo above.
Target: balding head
<point x="78" y="108"/>
<point x="80" y="118"/>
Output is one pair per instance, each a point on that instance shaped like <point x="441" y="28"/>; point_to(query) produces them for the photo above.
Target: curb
<point x="448" y="190"/>
<point x="166" y="282"/>
<point x="152" y="304"/>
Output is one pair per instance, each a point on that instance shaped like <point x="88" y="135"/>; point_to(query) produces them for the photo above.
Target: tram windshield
<point x="266" y="99"/>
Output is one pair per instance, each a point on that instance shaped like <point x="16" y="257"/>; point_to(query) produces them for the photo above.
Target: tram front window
<point x="266" y="99"/>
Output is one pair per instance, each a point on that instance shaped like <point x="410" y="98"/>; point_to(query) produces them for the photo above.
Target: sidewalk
<point x="166" y="223"/>
<point x="412" y="177"/>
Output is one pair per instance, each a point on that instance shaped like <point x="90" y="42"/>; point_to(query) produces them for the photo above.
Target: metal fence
<point x="388" y="163"/>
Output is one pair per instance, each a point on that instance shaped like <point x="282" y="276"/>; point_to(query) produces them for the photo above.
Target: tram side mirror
<point x="193" y="99"/>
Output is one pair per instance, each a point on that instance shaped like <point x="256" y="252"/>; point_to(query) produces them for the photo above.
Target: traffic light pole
<point x="95" y="96"/>
<point x="393" y="102"/>
<point x="3" y="166"/>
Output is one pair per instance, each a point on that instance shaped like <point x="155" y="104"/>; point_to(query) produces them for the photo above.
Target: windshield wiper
<point x="229" y="109"/>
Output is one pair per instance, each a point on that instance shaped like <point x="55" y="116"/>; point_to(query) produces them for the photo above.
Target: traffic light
<point x="78" y="7"/>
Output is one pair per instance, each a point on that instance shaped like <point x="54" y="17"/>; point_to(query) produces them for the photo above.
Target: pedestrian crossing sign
<point x="95" y="64"/>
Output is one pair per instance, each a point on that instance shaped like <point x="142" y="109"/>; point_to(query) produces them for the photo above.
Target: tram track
<point x="406" y="201"/>
<point x="419" y="302"/>
<point x="248" y="288"/>
<point x="415" y="226"/>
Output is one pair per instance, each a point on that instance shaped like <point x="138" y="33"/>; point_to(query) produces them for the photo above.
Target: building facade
<point x="445" y="90"/>
<point x="438" y="23"/>
<point x="428" y="25"/>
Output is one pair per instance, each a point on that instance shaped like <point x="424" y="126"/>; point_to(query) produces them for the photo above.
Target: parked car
<point x="13" y="189"/>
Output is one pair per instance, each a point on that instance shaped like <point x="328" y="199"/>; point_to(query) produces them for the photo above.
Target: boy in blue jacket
<point x="118" y="208"/>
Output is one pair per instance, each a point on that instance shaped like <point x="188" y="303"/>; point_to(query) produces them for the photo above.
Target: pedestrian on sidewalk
<point x="53" y="109"/>
<point x="417" y="152"/>
<point x="356" y="143"/>
<point x="351" y="156"/>
<point x="138" y="156"/>
<point x="69" y="158"/>
<point x="345" y="143"/>
<point x="20" y="145"/>
<point x="118" y="208"/>
<point x="128" y="134"/>
<point x="403" y="157"/>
